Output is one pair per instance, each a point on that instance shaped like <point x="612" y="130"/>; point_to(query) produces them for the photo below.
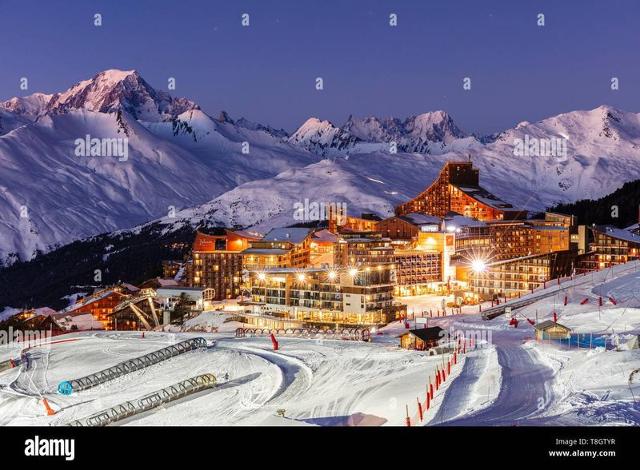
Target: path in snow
<point x="459" y="392"/>
<point x="525" y="390"/>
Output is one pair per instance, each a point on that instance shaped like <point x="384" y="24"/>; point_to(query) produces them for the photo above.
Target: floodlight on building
<point x="332" y="275"/>
<point x="478" y="265"/>
<point x="451" y="228"/>
<point x="301" y="277"/>
<point x="353" y="272"/>
<point x="262" y="276"/>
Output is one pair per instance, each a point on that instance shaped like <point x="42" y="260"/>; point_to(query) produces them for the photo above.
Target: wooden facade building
<point x="457" y="189"/>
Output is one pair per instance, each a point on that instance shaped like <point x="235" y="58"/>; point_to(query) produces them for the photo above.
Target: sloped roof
<point x="417" y="218"/>
<point x="545" y="325"/>
<point x="427" y="334"/>
<point x="287" y="234"/>
<point x="247" y="234"/>
<point x="618" y="233"/>
<point x="485" y="197"/>
<point x="458" y="220"/>
<point x="91" y="299"/>
<point x="325" y="236"/>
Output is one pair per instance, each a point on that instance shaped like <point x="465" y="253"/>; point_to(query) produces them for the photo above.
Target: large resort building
<point x="613" y="245"/>
<point x="280" y="248"/>
<point x="514" y="277"/>
<point x="350" y="272"/>
<point x="217" y="261"/>
<point x="457" y="189"/>
<point x="455" y="238"/>
<point x="324" y="296"/>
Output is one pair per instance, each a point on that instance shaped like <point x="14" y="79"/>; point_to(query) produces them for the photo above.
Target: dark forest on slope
<point x="600" y="211"/>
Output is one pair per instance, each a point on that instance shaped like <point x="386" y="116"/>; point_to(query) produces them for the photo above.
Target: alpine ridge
<point x="186" y="167"/>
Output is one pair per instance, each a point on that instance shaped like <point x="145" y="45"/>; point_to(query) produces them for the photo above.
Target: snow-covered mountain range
<point x="178" y="157"/>
<point x="602" y="153"/>
<point x="237" y="172"/>
<point x="431" y="133"/>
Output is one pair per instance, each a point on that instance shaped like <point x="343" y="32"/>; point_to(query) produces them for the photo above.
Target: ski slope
<point x="509" y="380"/>
<point x="316" y="381"/>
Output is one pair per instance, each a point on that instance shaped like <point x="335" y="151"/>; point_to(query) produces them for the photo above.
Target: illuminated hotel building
<point x="325" y="296"/>
<point x="339" y="223"/>
<point x="217" y="261"/>
<point x="100" y="304"/>
<point x="280" y="248"/>
<point x="513" y="277"/>
<point x="323" y="248"/>
<point x="408" y="226"/>
<point x="421" y="252"/>
<point x="508" y="239"/>
<point x="361" y="249"/>
<point x="457" y="189"/>
<point x="612" y="246"/>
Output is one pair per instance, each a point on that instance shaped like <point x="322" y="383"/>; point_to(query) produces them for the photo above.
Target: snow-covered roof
<point x="130" y="287"/>
<point x="417" y="218"/>
<point x="45" y="311"/>
<point x="486" y="198"/>
<point x="90" y="299"/>
<point x="248" y="234"/>
<point x="618" y="233"/>
<point x="325" y="236"/>
<point x="545" y="325"/>
<point x="287" y="234"/>
<point x="458" y="220"/>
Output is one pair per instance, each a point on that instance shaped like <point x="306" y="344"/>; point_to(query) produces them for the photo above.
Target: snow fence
<point x="69" y="386"/>
<point x="148" y="402"/>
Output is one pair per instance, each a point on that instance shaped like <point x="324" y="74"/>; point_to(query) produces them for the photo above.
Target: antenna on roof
<point x="469" y="155"/>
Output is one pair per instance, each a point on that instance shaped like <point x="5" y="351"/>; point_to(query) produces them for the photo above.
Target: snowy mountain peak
<point x="428" y="132"/>
<point x="434" y="126"/>
<point x="322" y="137"/>
<point x="27" y="106"/>
<point x="114" y="90"/>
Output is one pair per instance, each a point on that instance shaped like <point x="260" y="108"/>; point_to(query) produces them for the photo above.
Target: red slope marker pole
<point x="47" y="407"/>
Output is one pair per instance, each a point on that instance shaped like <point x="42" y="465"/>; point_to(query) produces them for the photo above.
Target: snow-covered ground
<point x="510" y="380"/>
<point x="316" y="381"/>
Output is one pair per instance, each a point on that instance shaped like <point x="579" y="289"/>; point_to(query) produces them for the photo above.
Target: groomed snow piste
<point x="510" y="380"/>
